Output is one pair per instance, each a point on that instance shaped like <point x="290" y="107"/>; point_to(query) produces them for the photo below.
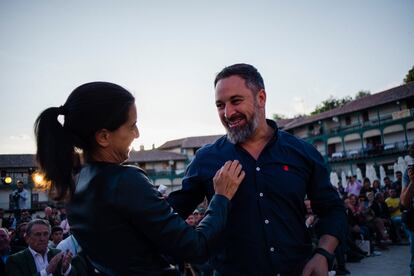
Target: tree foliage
<point x="410" y="76"/>
<point x="362" y="93"/>
<point x="330" y="103"/>
<point x="278" y="116"/>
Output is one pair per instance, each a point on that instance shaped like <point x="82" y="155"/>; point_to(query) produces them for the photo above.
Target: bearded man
<point x="266" y="232"/>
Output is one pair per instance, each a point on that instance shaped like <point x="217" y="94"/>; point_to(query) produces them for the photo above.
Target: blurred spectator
<point x="25" y="216"/>
<point x="198" y="214"/>
<point x="356" y="220"/>
<point x="20" y="200"/>
<point x="191" y="220"/>
<point x="397" y="185"/>
<point x="354" y="186"/>
<point x="366" y="187"/>
<point x="20" y="196"/>
<point x="388" y="185"/>
<point x="382" y="218"/>
<point x="376" y="188"/>
<point x="4" y="222"/>
<point x="49" y="215"/>
<point x="4" y="249"/>
<point x="64" y="223"/>
<point x="18" y="242"/>
<point x="56" y="236"/>
<point x="393" y="203"/>
<point x="37" y="258"/>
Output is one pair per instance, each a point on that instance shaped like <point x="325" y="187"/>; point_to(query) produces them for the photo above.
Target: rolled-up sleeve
<point x="325" y="200"/>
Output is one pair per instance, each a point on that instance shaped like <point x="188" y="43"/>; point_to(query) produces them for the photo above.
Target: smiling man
<point x="266" y="232"/>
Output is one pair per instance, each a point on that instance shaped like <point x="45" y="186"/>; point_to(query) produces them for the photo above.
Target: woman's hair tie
<point x="62" y="110"/>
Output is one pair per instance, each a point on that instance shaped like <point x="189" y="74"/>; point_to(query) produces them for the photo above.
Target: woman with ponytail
<point x="121" y="222"/>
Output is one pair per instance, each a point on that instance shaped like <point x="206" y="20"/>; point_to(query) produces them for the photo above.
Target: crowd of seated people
<point x="30" y="235"/>
<point x="205" y="269"/>
<point x="374" y="219"/>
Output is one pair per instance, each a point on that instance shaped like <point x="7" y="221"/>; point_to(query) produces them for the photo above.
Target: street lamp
<point x="8" y="180"/>
<point x="40" y="183"/>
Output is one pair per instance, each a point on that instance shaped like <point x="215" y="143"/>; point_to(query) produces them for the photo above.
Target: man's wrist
<point x="330" y="258"/>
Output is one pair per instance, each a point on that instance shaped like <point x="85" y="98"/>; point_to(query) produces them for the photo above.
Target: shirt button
<point x="258" y="169"/>
<point x="266" y="221"/>
<point x="261" y="194"/>
<point x="272" y="249"/>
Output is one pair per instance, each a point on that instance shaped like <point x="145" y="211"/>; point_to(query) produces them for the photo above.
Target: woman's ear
<point x="102" y="137"/>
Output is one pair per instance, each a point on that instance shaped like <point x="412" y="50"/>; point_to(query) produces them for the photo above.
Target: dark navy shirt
<point x="266" y="232"/>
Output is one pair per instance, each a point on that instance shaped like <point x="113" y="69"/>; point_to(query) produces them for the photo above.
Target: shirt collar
<point x="34" y="253"/>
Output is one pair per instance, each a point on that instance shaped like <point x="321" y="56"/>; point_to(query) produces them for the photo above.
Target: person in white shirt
<point x="38" y="258"/>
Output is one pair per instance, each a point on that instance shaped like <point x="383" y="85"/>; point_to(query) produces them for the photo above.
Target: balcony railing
<point x="368" y="152"/>
<point x="375" y="121"/>
<point x="169" y="174"/>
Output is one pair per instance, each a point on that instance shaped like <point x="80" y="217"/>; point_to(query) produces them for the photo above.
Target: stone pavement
<point x="392" y="262"/>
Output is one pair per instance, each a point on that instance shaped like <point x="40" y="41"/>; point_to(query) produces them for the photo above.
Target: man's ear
<point x="261" y="98"/>
<point x="102" y="137"/>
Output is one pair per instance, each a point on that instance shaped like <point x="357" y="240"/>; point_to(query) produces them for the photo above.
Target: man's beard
<point x="242" y="133"/>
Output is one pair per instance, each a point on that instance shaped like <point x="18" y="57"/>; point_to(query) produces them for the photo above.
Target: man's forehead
<point x="40" y="228"/>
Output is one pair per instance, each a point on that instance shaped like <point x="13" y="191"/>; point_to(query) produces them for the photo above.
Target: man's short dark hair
<point x="36" y="221"/>
<point x="56" y="229"/>
<point x="249" y="73"/>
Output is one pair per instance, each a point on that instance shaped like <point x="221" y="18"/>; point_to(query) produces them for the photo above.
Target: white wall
<point x="353" y="145"/>
<point x="4" y="199"/>
<point x="410" y="135"/>
<point x="388" y="109"/>
<point x="394" y="137"/>
<point x="320" y="146"/>
<point x="301" y="132"/>
<point x="176" y="150"/>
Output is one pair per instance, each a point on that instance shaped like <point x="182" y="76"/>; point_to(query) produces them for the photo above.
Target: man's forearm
<point x="407" y="194"/>
<point x="328" y="242"/>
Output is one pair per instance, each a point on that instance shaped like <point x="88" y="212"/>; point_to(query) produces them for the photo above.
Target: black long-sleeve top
<point x="123" y="224"/>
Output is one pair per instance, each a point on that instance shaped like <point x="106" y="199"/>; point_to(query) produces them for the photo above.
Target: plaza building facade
<point x="373" y="130"/>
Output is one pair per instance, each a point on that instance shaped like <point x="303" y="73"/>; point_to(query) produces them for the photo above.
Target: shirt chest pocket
<point x="286" y="180"/>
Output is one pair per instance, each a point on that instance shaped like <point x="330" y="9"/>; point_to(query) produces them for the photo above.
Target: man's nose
<point x="228" y="111"/>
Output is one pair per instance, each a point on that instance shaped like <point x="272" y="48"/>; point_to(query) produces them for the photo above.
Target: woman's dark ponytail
<point x="89" y="108"/>
<point x="55" y="152"/>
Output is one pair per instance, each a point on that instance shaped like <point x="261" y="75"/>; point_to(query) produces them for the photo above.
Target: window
<point x="331" y="149"/>
<point x="365" y="116"/>
<point x="348" y="120"/>
<point x="410" y="103"/>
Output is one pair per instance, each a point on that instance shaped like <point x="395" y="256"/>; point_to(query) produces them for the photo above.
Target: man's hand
<point x="317" y="266"/>
<point x="228" y="178"/>
<point x="411" y="174"/>
<point x="407" y="192"/>
<point x="53" y="264"/>
<point x="66" y="260"/>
